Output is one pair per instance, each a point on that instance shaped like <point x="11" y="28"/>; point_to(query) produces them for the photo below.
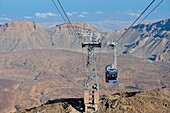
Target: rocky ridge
<point x="152" y="41"/>
<point x="141" y="101"/>
<point x="148" y="40"/>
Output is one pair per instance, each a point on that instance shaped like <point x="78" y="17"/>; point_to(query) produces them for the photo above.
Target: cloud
<point x="133" y="14"/>
<point x="69" y="14"/>
<point x="130" y="10"/>
<point x="6" y="19"/>
<point x="28" y="17"/>
<point x="99" y="12"/>
<point x="84" y="13"/>
<point x="45" y="15"/>
<point x="82" y="16"/>
<point x="4" y="14"/>
<point x="140" y="11"/>
<point x="74" y="13"/>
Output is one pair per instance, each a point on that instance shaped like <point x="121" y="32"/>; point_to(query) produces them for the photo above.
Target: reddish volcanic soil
<point x="45" y="75"/>
<point x="148" y="101"/>
<point x="7" y="95"/>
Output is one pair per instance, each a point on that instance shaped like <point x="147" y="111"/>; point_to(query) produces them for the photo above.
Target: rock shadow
<point x="77" y="103"/>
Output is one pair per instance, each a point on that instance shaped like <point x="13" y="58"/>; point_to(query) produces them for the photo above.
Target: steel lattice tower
<point x="91" y="86"/>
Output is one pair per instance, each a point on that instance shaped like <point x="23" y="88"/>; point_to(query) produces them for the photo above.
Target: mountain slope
<point x="151" y="101"/>
<point x="63" y="36"/>
<point x="152" y="41"/>
<point x="23" y="35"/>
<point x="148" y="40"/>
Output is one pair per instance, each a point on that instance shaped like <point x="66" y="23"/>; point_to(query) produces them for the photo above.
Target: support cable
<point x="135" y="21"/>
<point x="62" y="15"/>
<point x="148" y="14"/>
<point x="67" y="17"/>
<point x="151" y="11"/>
<point x="83" y="59"/>
<point x="99" y="58"/>
<point x="59" y="11"/>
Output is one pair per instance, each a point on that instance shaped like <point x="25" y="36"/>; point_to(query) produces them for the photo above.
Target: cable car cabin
<point x="111" y="74"/>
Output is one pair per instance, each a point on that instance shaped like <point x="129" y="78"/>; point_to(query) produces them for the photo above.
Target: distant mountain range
<point x="152" y="40"/>
<point x="148" y="40"/>
<point x="23" y="35"/>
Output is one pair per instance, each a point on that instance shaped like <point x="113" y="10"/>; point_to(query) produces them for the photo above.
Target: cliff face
<point x="148" y="40"/>
<point x="63" y="36"/>
<point x="152" y="41"/>
<point x="77" y="26"/>
<point x="22" y="35"/>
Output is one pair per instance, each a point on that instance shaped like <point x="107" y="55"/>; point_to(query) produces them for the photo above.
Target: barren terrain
<point x="42" y="69"/>
<point x="7" y="94"/>
<point x="45" y="75"/>
<point x="149" y="101"/>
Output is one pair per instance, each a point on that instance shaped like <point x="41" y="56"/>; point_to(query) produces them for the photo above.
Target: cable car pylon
<point x="91" y="86"/>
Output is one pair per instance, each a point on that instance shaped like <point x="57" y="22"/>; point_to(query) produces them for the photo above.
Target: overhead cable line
<point x="147" y="15"/>
<point x="135" y="21"/>
<point x="67" y="17"/>
<point x="151" y="11"/>
<point x="59" y="11"/>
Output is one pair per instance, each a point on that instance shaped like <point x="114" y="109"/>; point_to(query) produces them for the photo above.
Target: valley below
<point x="35" y="77"/>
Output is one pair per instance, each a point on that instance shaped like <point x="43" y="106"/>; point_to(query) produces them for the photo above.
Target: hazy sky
<point x="93" y="11"/>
